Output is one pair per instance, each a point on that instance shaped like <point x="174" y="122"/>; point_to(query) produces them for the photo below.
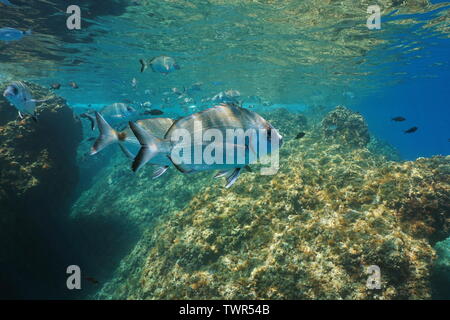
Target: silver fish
<point x="229" y="96"/>
<point x="128" y="143"/>
<point x="11" y="34"/>
<point x="161" y="64"/>
<point x="115" y="114"/>
<point x="118" y="112"/>
<point x="220" y="118"/>
<point x="19" y="95"/>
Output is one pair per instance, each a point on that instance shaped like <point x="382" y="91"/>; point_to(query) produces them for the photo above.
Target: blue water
<point x="424" y="102"/>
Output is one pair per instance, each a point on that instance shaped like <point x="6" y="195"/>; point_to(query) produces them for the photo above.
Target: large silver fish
<point x="115" y="114"/>
<point x="19" y="95"/>
<point x="161" y="64"/>
<point x="218" y="119"/>
<point x="128" y="142"/>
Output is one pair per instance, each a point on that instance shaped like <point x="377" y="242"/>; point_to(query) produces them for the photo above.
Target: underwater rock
<point x="384" y="148"/>
<point x="441" y="272"/>
<point x="345" y="127"/>
<point x="38" y="175"/>
<point x="290" y="123"/>
<point x="308" y="232"/>
<point x="38" y="157"/>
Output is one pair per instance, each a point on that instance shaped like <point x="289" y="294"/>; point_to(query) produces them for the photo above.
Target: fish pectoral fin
<point x="159" y="172"/>
<point x="224" y="173"/>
<point x="233" y="177"/>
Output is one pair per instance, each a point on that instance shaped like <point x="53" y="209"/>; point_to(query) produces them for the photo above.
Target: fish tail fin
<point x="126" y="152"/>
<point x="91" y="118"/>
<point x="143" y="65"/>
<point x="29" y="32"/>
<point x="107" y="135"/>
<point x="150" y="146"/>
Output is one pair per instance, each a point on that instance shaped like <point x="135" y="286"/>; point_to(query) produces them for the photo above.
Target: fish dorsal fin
<point x="172" y="126"/>
<point x="126" y="152"/>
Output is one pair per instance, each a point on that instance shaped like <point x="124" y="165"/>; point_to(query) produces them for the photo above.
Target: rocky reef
<point x="308" y="232"/>
<point x="38" y="174"/>
<point x="345" y="127"/>
<point x="441" y="272"/>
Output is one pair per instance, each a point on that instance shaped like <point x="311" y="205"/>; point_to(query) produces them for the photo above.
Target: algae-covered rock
<point x="346" y="127"/>
<point x="38" y="176"/>
<point x="38" y="155"/>
<point x="308" y="232"/>
<point x="442" y="269"/>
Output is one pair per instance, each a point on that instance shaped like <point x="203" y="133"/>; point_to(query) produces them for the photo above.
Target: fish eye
<point x="15" y="90"/>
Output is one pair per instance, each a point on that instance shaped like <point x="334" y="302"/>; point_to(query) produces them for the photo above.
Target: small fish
<point x="154" y="112"/>
<point x="300" y="135"/>
<point x="229" y="96"/>
<point x="118" y="112"/>
<point x="161" y="64"/>
<point x="134" y="83"/>
<point x="11" y="34"/>
<point x="55" y="86"/>
<point x="221" y="118"/>
<point x="7" y="3"/>
<point x="73" y="84"/>
<point x="348" y="94"/>
<point x="398" y="119"/>
<point x="411" y="130"/>
<point x="92" y="280"/>
<point x="19" y="95"/>
<point x="196" y="87"/>
<point x="178" y="91"/>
